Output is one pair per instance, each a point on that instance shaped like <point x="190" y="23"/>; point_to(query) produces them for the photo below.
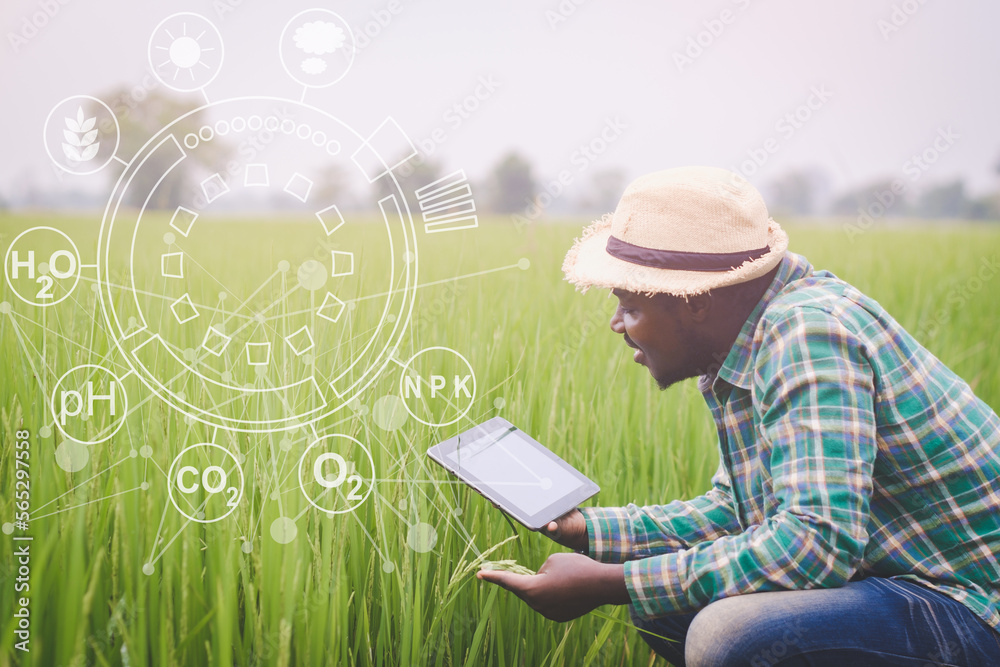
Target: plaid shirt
<point x="846" y="450"/>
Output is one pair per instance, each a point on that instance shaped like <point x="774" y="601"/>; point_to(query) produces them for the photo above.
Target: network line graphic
<point x="246" y="343"/>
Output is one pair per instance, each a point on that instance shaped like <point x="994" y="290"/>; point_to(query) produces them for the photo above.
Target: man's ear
<point x="697" y="308"/>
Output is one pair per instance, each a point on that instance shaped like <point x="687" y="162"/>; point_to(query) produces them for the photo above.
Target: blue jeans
<point x="873" y="621"/>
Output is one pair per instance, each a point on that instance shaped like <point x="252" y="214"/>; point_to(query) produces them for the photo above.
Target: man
<point x="855" y="515"/>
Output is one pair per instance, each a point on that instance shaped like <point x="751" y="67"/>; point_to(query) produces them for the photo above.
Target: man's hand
<point x="569" y="530"/>
<point x="566" y="587"/>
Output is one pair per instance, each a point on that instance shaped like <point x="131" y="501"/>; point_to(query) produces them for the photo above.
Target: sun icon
<point x="185" y="51"/>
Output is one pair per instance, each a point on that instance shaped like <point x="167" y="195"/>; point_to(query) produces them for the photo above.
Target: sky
<point x="856" y="88"/>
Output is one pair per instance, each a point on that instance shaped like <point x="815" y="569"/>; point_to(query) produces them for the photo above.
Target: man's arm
<point x="619" y="534"/>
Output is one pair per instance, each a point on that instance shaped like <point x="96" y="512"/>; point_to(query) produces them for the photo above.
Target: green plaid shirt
<point x="846" y="449"/>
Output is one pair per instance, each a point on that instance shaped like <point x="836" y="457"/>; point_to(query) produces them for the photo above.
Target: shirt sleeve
<point x="813" y="394"/>
<point x="618" y="534"/>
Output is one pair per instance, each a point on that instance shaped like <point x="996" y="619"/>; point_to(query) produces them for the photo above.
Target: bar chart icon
<point x="447" y="204"/>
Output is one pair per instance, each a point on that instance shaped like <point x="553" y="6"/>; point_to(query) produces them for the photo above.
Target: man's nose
<point x="617" y="321"/>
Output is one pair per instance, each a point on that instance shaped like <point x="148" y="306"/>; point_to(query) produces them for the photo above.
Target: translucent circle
<point x="457" y="511"/>
<point x="191" y="140"/>
<point x="44" y="432"/>
<point x="201" y="516"/>
<point x="72" y="456"/>
<point x="524" y="263"/>
<point x="312" y="275"/>
<point x="283" y="530"/>
<point x="255" y="123"/>
<point x="5" y="307"/>
<point x="185" y="52"/>
<point x="145" y="451"/>
<point x="288" y="126"/>
<point x="499" y="402"/>
<point x="303" y="131"/>
<point x="283" y="266"/>
<point x="43" y="268"/>
<point x="318" y="138"/>
<point x="239" y="124"/>
<point x="285" y="444"/>
<point x="307" y="359"/>
<point x="190" y="354"/>
<point x="222" y="128"/>
<point x="546" y="483"/>
<point x="147" y="569"/>
<point x="389" y="413"/>
<point x="247" y="547"/>
<point x="169" y="238"/>
<point x="408" y="257"/>
<point x="421" y="537"/>
<point x="274" y="495"/>
<point x="390" y="318"/>
<point x="144" y="486"/>
<point x="94" y="287"/>
<point x="388" y="566"/>
<point x="403" y="505"/>
<point x="226" y="377"/>
<point x="201" y="133"/>
<point x="260" y="370"/>
<point x="133" y="454"/>
<point x="222" y="296"/>
<point x="132" y="323"/>
<point x="8" y="528"/>
<point x="333" y="148"/>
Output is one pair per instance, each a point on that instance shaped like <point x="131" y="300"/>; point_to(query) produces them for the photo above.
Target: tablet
<point x="513" y="471"/>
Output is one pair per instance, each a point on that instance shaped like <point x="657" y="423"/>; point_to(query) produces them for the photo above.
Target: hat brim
<point x="588" y="264"/>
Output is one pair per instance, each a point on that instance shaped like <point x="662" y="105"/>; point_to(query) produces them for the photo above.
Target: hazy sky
<point x="559" y="80"/>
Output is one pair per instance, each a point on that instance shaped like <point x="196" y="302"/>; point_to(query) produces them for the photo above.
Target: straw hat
<point x="681" y="231"/>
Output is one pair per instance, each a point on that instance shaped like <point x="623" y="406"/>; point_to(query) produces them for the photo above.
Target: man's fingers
<point x="553" y="528"/>
<point x="516" y="583"/>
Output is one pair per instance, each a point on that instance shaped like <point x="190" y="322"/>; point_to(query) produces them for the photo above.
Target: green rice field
<point x="118" y="576"/>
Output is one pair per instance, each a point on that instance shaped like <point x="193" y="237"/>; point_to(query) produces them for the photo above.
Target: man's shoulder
<point x="821" y="291"/>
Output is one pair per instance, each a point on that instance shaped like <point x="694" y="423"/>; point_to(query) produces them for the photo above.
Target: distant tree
<point x="798" y="192"/>
<point x="872" y="198"/>
<point x="412" y="175"/>
<point x="603" y="191"/>
<point x="143" y="119"/>
<point x="511" y="184"/>
<point x="333" y="186"/>
<point x="947" y="200"/>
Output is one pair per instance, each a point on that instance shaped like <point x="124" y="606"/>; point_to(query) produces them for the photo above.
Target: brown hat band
<point x="679" y="260"/>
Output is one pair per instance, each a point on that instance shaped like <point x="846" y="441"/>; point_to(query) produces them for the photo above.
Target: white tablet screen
<point x="515" y="470"/>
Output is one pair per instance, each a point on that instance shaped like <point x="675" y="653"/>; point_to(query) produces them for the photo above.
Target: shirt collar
<point x="737" y="366"/>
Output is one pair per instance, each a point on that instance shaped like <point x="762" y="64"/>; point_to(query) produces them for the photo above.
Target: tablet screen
<point x="515" y="469"/>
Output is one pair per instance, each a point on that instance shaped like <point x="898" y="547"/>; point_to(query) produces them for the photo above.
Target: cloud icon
<point x="313" y="65"/>
<point x="319" y="37"/>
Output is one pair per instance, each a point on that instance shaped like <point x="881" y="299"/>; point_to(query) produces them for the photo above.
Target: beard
<point x="697" y="359"/>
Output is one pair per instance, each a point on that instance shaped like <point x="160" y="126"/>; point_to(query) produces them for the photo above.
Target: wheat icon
<point x="81" y="138"/>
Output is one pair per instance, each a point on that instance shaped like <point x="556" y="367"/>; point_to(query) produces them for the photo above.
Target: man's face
<point x="656" y="328"/>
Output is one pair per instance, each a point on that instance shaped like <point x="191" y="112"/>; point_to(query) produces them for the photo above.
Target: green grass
<point x="326" y="597"/>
